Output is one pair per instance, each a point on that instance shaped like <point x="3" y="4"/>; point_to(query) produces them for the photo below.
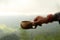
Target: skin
<point x="40" y="20"/>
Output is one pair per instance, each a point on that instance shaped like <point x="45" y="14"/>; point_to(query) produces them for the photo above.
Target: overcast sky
<point x="28" y="7"/>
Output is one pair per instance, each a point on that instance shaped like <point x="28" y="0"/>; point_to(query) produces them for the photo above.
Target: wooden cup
<point x="26" y="25"/>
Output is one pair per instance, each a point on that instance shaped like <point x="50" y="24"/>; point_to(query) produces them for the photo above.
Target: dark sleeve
<point x="57" y="17"/>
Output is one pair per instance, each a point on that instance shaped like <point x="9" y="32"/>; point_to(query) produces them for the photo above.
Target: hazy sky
<point x="28" y="7"/>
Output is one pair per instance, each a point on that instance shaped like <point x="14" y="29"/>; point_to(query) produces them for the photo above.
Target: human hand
<point x="39" y="20"/>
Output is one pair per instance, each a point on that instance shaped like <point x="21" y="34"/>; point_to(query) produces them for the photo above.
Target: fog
<point x="28" y="7"/>
<point x="10" y="27"/>
<point x="12" y="12"/>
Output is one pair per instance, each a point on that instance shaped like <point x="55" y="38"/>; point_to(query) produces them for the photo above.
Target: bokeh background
<point x="12" y="12"/>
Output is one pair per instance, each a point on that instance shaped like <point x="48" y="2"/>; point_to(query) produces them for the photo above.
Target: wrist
<point x="50" y="18"/>
<point x="45" y="20"/>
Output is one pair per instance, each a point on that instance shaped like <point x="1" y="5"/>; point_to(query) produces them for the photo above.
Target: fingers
<point x="38" y="18"/>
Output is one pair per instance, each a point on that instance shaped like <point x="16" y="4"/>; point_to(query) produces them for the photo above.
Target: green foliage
<point x="24" y="35"/>
<point x="49" y="36"/>
<point x="43" y="36"/>
<point x="10" y="37"/>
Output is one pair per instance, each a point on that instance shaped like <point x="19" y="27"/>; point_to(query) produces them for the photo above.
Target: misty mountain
<point x="10" y="26"/>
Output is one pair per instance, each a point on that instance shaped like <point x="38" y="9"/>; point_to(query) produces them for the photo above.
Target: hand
<point x="39" y="20"/>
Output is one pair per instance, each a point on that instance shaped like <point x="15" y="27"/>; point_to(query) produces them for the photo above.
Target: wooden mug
<point x="26" y="25"/>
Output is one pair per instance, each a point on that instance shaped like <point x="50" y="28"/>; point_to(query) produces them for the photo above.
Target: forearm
<point x="55" y="17"/>
<point x="48" y="19"/>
